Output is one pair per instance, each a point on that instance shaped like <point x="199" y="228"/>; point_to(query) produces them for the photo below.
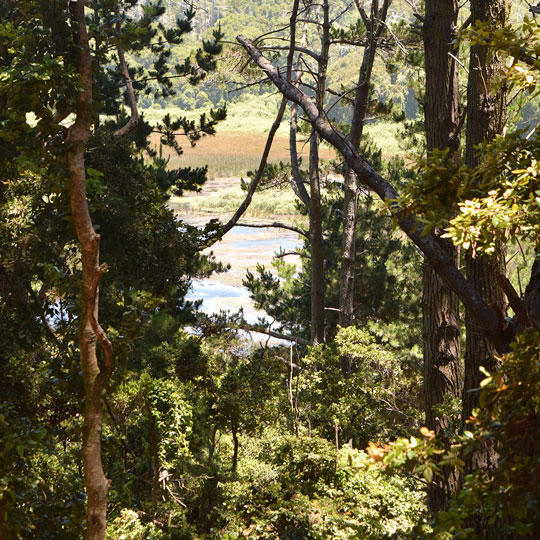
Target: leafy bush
<point x="289" y="488"/>
<point x="128" y="526"/>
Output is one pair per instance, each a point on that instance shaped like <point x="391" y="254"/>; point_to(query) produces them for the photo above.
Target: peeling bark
<point x="95" y="373"/>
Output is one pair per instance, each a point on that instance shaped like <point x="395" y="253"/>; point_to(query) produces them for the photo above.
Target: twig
<point x="275" y="225"/>
<point x="287" y="253"/>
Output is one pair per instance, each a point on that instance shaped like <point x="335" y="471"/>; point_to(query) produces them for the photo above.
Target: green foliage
<point x="491" y="503"/>
<point x="128" y="526"/>
<point x="504" y="202"/>
<point x="289" y="487"/>
<point x="172" y="417"/>
<point x="387" y="286"/>
<point x="377" y="401"/>
<point x="499" y="200"/>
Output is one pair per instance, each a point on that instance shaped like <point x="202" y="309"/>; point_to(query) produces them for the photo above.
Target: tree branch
<point x="428" y="244"/>
<point x="287" y="253"/>
<point x="271" y="333"/>
<point x="132" y="100"/>
<point x="276" y="225"/>
<point x="270" y="139"/>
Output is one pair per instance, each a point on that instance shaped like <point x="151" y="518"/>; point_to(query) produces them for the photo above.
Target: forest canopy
<point x="400" y="396"/>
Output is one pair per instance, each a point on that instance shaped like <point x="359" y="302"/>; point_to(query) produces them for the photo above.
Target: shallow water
<point x="243" y="248"/>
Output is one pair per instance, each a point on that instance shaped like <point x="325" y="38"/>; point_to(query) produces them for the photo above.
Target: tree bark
<point x="95" y="375"/>
<point x="295" y="165"/>
<point x="532" y="294"/>
<point x="350" y="195"/>
<point x="316" y="243"/>
<point x="236" y="445"/>
<point x="315" y="214"/>
<point x="486" y="317"/>
<point x="486" y="118"/>
<point x="440" y="307"/>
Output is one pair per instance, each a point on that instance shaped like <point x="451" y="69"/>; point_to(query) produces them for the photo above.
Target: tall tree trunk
<point x="95" y="373"/>
<point x="350" y="199"/>
<point x="317" y="244"/>
<point x="297" y="180"/>
<point x="440" y="307"/>
<point x="486" y="118"/>
<point x="212" y="448"/>
<point x="315" y="214"/>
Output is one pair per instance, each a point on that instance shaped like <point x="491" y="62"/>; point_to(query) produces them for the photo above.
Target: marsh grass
<point x="239" y="142"/>
<point x="233" y="154"/>
<point x="272" y="202"/>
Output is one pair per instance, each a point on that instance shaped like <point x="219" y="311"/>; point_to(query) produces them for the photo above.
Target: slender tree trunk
<point x="315" y="214"/>
<point x="440" y="307"/>
<point x="236" y="444"/>
<point x="212" y="448"/>
<point x="298" y="181"/>
<point x="317" y="244"/>
<point x="486" y="118"/>
<point x="350" y="199"/>
<point x="96" y="373"/>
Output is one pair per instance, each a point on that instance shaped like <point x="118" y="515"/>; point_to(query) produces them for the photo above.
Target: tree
<point x="64" y="84"/>
<point x="486" y="316"/>
<point x="375" y="27"/>
<point x="486" y="118"/>
<point x="441" y="320"/>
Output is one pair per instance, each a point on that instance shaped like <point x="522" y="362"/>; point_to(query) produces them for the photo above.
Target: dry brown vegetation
<point x="235" y="153"/>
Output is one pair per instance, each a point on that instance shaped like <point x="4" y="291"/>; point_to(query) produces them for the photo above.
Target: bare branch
<point x="516" y="303"/>
<point x="276" y="225"/>
<point x="287" y="253"/>
<point x="428" y="244"/>
<point x="270" y="139"/>
<point x="302" y="50"/>
<point x="271" y="333"/>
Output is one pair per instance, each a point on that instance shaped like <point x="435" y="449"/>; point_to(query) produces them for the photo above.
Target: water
<point x="242" y="248"/>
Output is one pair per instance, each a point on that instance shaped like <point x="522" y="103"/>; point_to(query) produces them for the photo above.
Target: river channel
<point x="242" y="248"/>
